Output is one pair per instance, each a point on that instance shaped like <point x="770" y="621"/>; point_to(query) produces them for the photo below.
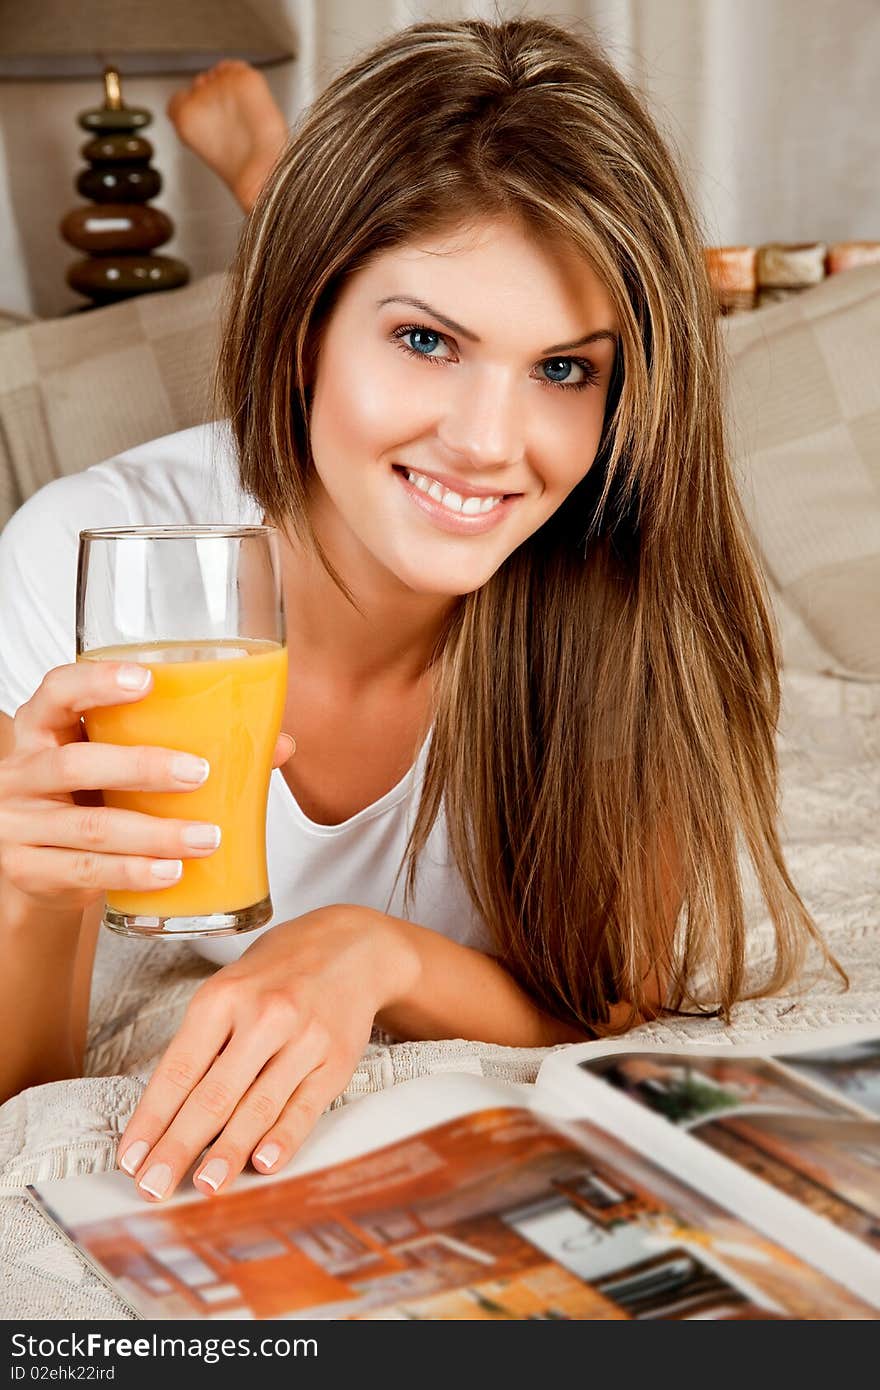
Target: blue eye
<point x="423" y="340"/>
<point x="427" y="343"/>
<point x="557" y="372"/>
<point x="558" y="368"/>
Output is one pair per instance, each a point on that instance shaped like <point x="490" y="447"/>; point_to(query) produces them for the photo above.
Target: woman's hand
<point x="265" y="1046"/>
<point x="59" y="844"/>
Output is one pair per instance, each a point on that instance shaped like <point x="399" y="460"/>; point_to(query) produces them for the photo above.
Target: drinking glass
<point x="203" y="608"/>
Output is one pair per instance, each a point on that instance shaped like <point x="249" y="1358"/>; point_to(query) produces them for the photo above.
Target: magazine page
<point x="447" y="1197"/>
<point x="791" y="1140"/>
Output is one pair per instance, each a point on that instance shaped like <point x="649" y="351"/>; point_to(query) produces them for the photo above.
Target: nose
<point x="483" y="421"/>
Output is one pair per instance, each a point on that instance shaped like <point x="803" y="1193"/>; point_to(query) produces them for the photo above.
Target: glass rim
<point x="217" y="531"/>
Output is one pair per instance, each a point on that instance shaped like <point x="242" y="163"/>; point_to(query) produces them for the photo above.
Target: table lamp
<point x="106" y="40"/>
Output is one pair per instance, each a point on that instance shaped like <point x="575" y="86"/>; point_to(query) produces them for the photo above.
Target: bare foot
<point x="229" y="118"/>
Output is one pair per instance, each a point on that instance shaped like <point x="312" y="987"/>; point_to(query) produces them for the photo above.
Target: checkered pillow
<point x="804" y="415"/>
<point x="77" y="390"/>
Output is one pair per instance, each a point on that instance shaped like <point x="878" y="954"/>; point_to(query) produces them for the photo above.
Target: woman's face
<point x="456" y="364"/>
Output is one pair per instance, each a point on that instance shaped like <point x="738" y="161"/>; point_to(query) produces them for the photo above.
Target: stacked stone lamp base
<point x="117" y="228"/>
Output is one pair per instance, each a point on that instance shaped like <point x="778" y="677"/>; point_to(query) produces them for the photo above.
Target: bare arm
<point x="36" y="993"/>
<point x="453" y="991"/>
<point x="24" y="920"/>
<point x="41" y="990"/>
<point x="81" y="992"/>
<point x="61" y="849"/>
<point x="306" y="995"/>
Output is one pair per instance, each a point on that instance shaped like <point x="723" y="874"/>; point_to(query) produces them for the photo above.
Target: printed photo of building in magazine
<point x="493" y="1215"/>
<point x="808" y="1124"/>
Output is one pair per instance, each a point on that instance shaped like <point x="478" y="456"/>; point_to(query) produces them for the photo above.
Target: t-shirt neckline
<point x="385" y="802"/>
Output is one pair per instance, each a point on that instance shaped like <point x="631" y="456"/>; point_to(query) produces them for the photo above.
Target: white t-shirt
<point x="192" y="477"/>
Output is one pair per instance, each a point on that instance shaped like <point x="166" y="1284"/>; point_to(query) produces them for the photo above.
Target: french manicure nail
<point x="214" y="1172"/>
<point x="268" y="1155"/>
<point x="133" y="677"/>
<point x="156" y="1180"/>
<point x="134" y="1156"/>
<point x="202" y="836"/>
<point x="167" y="868"/>
<point x="187" y="768"/>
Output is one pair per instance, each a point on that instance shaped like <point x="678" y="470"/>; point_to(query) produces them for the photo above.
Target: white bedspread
<point x="829" y="744"/>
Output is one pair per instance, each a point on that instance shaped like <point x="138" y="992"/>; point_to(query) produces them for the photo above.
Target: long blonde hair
<point x="614" y="686"/>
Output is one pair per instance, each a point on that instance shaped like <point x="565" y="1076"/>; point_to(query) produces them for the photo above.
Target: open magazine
<point x="628" y="1182"/>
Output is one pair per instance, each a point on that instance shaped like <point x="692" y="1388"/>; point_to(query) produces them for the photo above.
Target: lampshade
<point x="79" y="38"/>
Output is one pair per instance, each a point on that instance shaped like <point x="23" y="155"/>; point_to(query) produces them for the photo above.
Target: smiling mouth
<point x="473" y="516"/>
<point x="505" y="496"/>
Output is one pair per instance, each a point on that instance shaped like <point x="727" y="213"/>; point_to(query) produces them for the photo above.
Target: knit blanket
<point x="829" y="749"/>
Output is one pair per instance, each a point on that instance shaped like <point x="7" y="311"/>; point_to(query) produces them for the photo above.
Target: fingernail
<point x="134" y="1156"/>
<point x="202" y="836"/>
<point x="167" y="868"/>
<point x="133" y="677"/>
<point x="215" y="1171"/>
<point x="268" y="1155"/>
<point x="156" y="1180"/>
<point x="189" y="769"/>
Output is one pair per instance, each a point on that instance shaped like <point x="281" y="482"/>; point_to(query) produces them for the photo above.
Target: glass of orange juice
<point x="203" y="607"/>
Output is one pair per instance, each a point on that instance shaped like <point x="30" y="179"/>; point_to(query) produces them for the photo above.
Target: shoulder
<point x="186" y="477"/>
<point x="189" y="470"/>
<point x="182" y="477"/>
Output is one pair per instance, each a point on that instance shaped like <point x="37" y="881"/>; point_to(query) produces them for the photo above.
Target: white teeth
<point x="453" y="501"/>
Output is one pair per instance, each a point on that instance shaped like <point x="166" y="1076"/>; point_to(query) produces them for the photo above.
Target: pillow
<point x="77" y="390"/>
<point x="804" y="419"/>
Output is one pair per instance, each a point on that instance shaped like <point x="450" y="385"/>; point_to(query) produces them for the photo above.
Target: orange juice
<point x="224" y="701"/>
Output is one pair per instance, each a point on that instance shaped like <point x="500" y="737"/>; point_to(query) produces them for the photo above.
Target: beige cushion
<point x="804" y="412"/>
<point x="76" y="390"/>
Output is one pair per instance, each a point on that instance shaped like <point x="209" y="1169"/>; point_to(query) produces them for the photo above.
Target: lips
<point x="464" y="490"/>
<point x="456" y="523"/>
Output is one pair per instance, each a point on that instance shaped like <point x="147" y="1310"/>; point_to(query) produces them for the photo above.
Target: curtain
<point x="771" y="105"/>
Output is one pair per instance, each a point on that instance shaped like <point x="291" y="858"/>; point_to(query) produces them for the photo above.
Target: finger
<point x="80" y="876"/>
<point x="285" y="747"/>
<point x="102" y="767"/>
<point x="205" y="1030"/>
<point x="52" y="714"/>
<point x="107" y="830"/>
<point x="235" y="1076"/>
<point x="259" y="1111"/>
<point x="196" y="1087"/>
<point x="312" y="1097"/>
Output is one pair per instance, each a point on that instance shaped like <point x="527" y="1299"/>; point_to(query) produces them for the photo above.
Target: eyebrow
<point x="596" y="337"/>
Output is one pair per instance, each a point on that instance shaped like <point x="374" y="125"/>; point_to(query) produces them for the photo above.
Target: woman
<point x="471" y="370"/>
